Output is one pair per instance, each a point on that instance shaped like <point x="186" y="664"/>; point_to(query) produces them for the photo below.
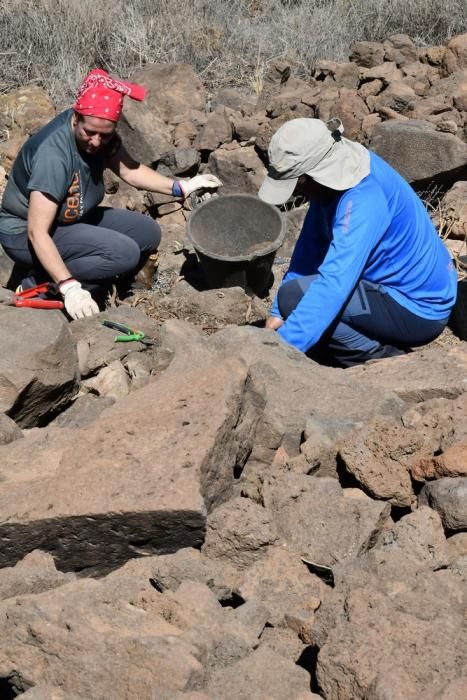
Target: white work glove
<point x="199" y="182"/>
<point x="78" y="301"/>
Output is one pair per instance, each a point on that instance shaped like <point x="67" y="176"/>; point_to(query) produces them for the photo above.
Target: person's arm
<point x="360" y="221"/>
<point x="307" y="256"/>
<point x="42" y="211"/>
<point x="144" y="178"/>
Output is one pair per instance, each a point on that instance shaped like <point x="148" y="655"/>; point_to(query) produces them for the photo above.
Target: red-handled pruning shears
<point x="29" y="297"/>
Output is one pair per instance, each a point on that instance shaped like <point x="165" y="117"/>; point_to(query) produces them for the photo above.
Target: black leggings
<point x="106" y="244"/>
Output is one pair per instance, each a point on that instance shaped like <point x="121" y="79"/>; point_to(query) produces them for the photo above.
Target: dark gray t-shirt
<point x="50" y="162"/>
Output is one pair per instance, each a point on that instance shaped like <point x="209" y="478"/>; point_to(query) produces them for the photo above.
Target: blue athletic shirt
<point x="380" y="231"/>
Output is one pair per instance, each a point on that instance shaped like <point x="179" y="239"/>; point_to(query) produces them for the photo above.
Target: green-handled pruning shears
<point x="129" y="334"/>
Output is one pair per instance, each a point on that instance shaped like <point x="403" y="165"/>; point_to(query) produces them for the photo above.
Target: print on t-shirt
<point x="74" y="200"/>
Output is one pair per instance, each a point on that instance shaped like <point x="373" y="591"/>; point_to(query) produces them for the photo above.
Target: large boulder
<point x="448" y="496"/>
<point x="347" y="75"/>
<point x="396" y="96"/>
<point x="216" y="131"/>
<point x="452" y="462"/>
<point x="168" y="571"/>
<point x="25" y="109"/>
<point x="145" y="134"/>
<point x="418" y="75"/>
<point x="421" y="375"/>
<point x="239" y="532"/>
<point x="386" y="604"/>
<point x="263" y="674"/>
<point x="241" y="99"/>
<point x="296" y="593"/>
<point x="318" y="522"/>
<point x="295" y="96"/>
<point x="387" y="72"/>
<point x="384" y="456"/>
<point x="418" y="536"/>
<point x="377" y="456"/>
<point x="419" y="152"/>
<point x="429" y="107"/>
<point x="450" y="86"/>
<point x="38" y="364"/>
<point x="394" y="629"/>
<point x="139" y="480"/>
<point x="239" y="168"/>
<point x="400" y="49"/>
<point x="172" y="89"/>
<point x="296" y="388"/>
<point x="33" y="574"/>
<point x="92" y="641"/>
<point x="367" y="53"/>
<point x="455" y="57"/>
<point x="352" y="110"/>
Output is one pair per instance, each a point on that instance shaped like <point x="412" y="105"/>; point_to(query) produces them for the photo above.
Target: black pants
<point x="108" y="243"/>
<point x="372" y="325"/>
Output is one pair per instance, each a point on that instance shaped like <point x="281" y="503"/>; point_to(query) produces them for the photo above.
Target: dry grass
<point x="445" y="221"/>
<point x="167" y="308"/>
<point x="54" y="42"/>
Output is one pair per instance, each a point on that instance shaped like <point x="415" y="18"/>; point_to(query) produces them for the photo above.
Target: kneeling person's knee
<point x="152" y="232"/>
<point x="145" y="232"/>
<point x="125" y="256"/>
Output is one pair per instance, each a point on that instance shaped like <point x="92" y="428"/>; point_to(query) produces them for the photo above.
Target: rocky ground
<point x="216" y="516"/>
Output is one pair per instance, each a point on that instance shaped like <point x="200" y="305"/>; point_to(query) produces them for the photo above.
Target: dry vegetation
<point x="54" y="42"/>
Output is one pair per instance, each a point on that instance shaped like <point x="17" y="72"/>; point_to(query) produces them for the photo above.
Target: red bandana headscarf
<point x="102" y="96"/>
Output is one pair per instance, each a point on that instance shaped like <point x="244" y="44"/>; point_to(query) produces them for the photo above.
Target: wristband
<point x="67" y="279"/>
<point x="177" y="189"/>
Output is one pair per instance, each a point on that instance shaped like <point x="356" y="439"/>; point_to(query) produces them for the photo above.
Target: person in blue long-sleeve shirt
<point x="369" y="276"/>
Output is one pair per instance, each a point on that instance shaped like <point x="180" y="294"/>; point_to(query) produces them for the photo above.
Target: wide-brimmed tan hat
<point x="308" y="147"/>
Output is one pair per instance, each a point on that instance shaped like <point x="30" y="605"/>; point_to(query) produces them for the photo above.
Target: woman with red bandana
<point x="50" y="219"/>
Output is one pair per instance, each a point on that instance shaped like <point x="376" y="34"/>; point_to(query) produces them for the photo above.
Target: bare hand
<point x="274" y="323"/>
